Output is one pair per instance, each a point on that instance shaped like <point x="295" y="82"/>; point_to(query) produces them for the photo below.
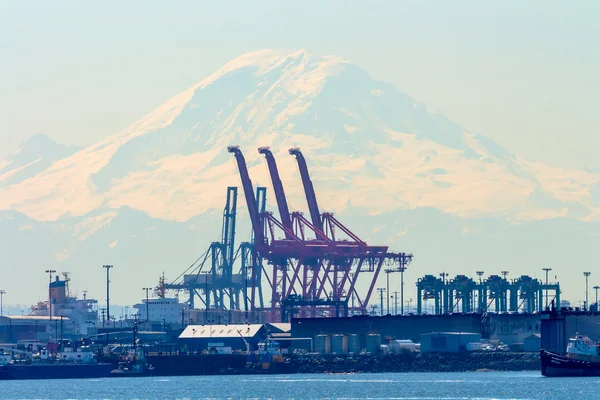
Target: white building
<point x="167" y="310"/>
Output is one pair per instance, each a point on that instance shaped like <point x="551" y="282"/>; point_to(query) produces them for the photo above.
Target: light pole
<point x="395" y="303"/>
<point x="2" y="293"/>
<point x="387" y="275"/>
<point x="108" y="267"/>
<point x="351" y="274"/>
<point x="206" y="300"/>
<point x="546" y="270"/>
<point x="587" y="275"/>
<point x="381" y="290"/>
<point x="596" y="289"/>
<point x="147" y="306"/>
<point x="50" y="272"/>
<point x="402" y="268"/>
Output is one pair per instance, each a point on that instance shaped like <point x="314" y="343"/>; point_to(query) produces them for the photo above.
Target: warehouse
<point x="17" y="328"/>
<point x="222" y="338"/>
<point x="447" y="342"/>
<point x="532" y="343"/>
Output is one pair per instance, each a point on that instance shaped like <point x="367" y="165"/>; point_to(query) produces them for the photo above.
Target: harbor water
<point x="472" y="385"/>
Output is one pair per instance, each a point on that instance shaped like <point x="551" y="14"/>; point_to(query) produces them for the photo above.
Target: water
<point x="442" y="386"/>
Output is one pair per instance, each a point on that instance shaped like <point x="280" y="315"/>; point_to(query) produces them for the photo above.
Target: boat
<point x="132" y="365"/>
<point x="581" y="359"/>
<point x="69" y="364"/>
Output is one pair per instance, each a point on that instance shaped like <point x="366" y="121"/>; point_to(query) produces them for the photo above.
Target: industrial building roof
<point x="220" y="331"/>
<point x="535" y="335"/>
<point x="281" y="326"/>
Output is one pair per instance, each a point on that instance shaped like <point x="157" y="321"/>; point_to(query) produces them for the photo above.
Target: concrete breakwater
<point x="420" y="362"/>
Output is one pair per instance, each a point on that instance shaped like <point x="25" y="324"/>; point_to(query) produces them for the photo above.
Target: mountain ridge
<point x="361" y="134"/>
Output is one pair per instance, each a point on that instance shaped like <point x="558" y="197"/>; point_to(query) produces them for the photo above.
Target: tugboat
<point x="582" y="359"/>
<point x="134" y="363"/>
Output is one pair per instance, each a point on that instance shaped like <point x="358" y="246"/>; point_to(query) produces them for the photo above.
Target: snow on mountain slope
<point x="368" y="145"/>
<point x="32" y="157"/>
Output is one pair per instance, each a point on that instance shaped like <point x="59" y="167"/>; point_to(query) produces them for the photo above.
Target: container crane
<point x="310" y="275"/>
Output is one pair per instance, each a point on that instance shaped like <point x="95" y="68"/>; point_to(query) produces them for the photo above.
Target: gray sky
<point x="524" y="73"/>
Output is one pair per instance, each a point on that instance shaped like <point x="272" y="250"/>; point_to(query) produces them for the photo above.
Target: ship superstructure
<point x="583" y="348"/>
<point x="83" y="313"/>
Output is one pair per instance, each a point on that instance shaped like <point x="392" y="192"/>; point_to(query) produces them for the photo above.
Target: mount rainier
<point x="148" y="199"/>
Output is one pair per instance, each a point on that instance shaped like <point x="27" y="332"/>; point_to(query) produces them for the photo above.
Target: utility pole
<point x="587" y="275"/>
<point x="596" y="289"/>
<point x="546" y="270"/>
<point x="147" y="307"/>
<point x="108" y="267"/>
<point x="387" y="275"/>
<point x="2" y="293"/>
<point x="381" y="291"/>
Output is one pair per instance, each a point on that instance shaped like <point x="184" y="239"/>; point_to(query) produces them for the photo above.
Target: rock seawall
<point x="420" y="362"/>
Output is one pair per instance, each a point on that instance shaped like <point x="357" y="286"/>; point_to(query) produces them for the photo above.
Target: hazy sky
<point x="524" y="73"/>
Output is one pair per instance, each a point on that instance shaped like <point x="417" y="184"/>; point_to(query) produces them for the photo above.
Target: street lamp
<point x="546" y="270"/>
<point x="50" y="272"/>
<point x="2" y="293"/>
<point x="147" y="289"/>
<point x="108" y="267"/>
<point x="596" y="289"/>
<point x="587" y="275"/>
<point x="402" y="268"/>
<point x="387" y="275"/>
<point x="207" y="299"/>
<point x="351" y="274"/>
<point x="381" y="290"/>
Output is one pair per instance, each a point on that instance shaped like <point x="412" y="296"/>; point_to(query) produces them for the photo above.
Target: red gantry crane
<point x="312" y="275"/>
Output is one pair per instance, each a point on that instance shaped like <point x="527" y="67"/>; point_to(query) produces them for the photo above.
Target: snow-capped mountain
<point x="372" y="150"/>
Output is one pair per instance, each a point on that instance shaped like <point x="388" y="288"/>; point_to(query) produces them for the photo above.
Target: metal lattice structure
<point x="211" y="277"/>
<point x="312" y="266"/>
<point x="497" y="293"/>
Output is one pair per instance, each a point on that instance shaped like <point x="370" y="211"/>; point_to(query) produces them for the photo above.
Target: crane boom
<point x="249" y="194"/>
<point x="284" y="211"/>
<point x="309" y="189"/>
